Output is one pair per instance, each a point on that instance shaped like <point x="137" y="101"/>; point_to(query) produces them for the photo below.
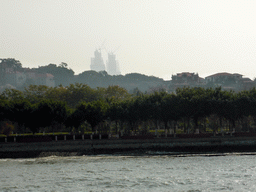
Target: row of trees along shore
<point x="79" y="108"/>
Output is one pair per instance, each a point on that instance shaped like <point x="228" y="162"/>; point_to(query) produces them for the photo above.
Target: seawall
<point x="114" y="146"/>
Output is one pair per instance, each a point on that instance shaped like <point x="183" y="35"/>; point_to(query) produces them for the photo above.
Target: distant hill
<point x="14" y="75"/>
<point x="129" y="81"/>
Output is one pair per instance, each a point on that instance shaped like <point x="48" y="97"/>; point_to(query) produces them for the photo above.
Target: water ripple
<point x="204" y="172"/>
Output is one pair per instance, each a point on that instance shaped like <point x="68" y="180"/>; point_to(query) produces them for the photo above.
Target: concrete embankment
<point x="108" y="146"/>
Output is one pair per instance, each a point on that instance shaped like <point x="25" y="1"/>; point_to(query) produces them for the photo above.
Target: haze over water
<point x="231" y="172"/>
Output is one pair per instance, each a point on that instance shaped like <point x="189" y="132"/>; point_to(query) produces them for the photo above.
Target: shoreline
<point x="155" y="146"/>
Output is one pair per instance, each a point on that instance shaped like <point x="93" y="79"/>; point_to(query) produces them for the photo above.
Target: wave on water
<point x="55" y="158"/>
<point x="153" y="171"/>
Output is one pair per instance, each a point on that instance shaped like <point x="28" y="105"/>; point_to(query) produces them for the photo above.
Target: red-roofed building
<point x="26" y="76"/>
<point x="222" y="77"/>
<point x="40" y="78"/>
<point x="185" y="77"/>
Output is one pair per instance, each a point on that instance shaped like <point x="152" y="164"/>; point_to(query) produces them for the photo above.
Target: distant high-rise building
<point x="113" y="65"/>
<point x="97" y="63"/>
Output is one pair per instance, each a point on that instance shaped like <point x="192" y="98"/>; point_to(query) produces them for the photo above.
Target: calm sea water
<point x="230" y="172"/>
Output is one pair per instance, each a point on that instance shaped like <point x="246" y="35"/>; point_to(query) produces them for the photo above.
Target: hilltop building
<point x="230" y="81"/>
<point x="32" y="77"/>
<point x="18" y="77"/>
<point x="113" y="65"/>
<point x="185" y="78"/>
<point x="97" y="63"/>
<point x="223" y="77"/>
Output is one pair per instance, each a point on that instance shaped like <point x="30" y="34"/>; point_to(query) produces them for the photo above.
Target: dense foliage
<point x="81" y="108"/>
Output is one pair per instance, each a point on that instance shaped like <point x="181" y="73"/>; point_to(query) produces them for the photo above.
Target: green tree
<point x="12" y="94"/>
<point x="114" y="112"/>
<point x="49" y="113"/>
<point x="63" y="65"/>
<point x="35" y="93"/>
<point x="6" y="127"/>
<point x="116" y="93"/>
<point x="94" y="112"/>
<point x="4" y="105"/>
<point x="61" y="74"/>
<point x="75" y="118"/>
<point x="58" y="93"/>
<point x="20" y="112"/>
<point x="170" y="110"/>
<point x="10" y="63"/>
<point x="78" y="93"/>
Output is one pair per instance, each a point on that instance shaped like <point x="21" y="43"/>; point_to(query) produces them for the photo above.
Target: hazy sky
<point x="156" y="37"/>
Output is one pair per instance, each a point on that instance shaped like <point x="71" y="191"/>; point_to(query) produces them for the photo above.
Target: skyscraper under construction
<point x="97" y="63"/>
<point x="113" y="65"/>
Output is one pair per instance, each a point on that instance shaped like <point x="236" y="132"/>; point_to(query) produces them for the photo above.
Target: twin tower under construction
<point x="112" y="65"/>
